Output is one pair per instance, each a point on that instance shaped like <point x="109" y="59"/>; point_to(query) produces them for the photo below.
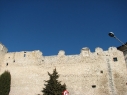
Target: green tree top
<point x="53" y="86"/>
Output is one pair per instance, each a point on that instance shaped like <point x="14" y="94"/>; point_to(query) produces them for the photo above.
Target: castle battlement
<point x="87" y="73"/>
<point x="33" y="57"/>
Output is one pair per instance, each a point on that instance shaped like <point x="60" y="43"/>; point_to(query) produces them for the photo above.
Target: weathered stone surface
<point x="87" y="73"/>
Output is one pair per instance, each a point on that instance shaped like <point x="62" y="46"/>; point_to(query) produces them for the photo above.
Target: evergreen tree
<point x="53" y="86"/>
<point x="5" y="82"/>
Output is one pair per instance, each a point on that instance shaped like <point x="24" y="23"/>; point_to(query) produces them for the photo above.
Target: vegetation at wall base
<point x="5" y="82"/>
<point x="53" y="86"/>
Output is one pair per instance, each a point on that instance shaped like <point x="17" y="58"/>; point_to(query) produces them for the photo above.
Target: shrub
<point x="5" y="82"/>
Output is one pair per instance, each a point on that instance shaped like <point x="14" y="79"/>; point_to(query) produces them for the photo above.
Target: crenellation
<point x="88" y="73"/>
<point x="85" y="51"/>
<point x="61" y="53"/>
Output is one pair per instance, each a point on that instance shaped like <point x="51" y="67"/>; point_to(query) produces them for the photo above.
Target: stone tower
<point x="3" y="51"/>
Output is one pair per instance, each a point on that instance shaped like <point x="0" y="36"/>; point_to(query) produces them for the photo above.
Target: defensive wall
<point x="88" y="73"/>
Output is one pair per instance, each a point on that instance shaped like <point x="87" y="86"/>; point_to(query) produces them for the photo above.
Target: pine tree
<point x="5" y="81"/>
<point x="53" y="86"/>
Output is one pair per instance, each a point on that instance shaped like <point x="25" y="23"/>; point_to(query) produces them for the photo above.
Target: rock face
<point x="87" y="73"/>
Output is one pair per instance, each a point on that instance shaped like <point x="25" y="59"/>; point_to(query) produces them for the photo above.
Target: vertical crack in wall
<point x="112" y="90"/>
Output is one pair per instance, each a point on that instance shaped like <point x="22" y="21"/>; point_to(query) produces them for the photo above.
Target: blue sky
<point x="69" y="25"/>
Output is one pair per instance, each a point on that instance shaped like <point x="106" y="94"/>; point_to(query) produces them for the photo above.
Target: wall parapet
<point x="87" y="72"/>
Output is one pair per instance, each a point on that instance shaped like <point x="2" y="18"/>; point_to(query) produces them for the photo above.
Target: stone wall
<point x="87" y="73"/>
<point x="3" y="51"/>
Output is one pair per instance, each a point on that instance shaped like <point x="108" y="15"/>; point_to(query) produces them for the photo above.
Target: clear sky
<point x="69" y="25"/>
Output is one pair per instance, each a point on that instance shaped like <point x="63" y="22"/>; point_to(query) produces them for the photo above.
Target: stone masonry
<point x="88" y="73"/>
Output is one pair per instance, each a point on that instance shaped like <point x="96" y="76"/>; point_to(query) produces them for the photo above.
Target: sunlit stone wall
<point x="88" y="73"/>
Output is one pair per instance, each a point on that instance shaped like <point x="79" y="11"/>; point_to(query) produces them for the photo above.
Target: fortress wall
<point x="3" y="51"/>
<point x="23" y="58"/>
<point x="119" y="71"/>
<point x="86" y="73"/>
<point x="79" y="79"/>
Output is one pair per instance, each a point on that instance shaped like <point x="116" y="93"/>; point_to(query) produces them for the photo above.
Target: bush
<point x="5" y="82"/>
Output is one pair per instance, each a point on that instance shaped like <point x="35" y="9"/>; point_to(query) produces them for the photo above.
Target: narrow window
<point x="14" y="61"/>
<point x="93" y="86"/>
<point x="115" y="59"/>
<point x="6" y="64"/>
<point x="24" y="55"/>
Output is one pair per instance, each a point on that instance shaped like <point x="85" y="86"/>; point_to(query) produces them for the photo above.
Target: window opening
<point x="101" y="71"/>
<point x="14" y="61"/>
<point x="24" y="55"/>
<point x="115" y="59"/>
<point x="6" y="64"/>
<point x="93" y="86"/>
